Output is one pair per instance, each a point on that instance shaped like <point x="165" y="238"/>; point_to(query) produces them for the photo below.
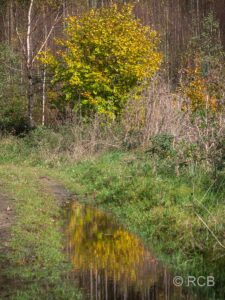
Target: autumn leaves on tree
<point x="77" y="59"/>
<point x="106" y="54"/>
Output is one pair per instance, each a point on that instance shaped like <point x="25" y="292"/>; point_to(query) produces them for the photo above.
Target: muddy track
<point x="6" y="220"/>
<point x="56" y="189"/>
<point x="6" y="206"/>
<point x="7" y="215"/>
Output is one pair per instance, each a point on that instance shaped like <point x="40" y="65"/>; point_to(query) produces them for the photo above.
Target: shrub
<point x="161" y="145"/>
<point x="107" y="54"/>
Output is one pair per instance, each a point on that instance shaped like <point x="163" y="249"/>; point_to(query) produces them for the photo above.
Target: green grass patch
<point x="37" y="264"/>
<point x="164" y="209"/>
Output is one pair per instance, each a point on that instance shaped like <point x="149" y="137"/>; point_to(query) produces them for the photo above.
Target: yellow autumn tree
<point x="198" y="91"/>
<point x="107" y="53"/>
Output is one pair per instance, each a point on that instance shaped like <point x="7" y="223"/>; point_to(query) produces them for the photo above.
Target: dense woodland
<point x="28" y="27"/>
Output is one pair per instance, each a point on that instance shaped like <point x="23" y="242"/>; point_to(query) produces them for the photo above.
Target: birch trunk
<point x="29" y="64"/>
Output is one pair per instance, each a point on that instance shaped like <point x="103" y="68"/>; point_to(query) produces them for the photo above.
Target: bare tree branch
<point x="57" y="18"/>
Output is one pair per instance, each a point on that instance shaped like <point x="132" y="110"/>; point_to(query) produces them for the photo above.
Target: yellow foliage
<point x="97" y="243"/>
<point x="197" y="91"/>
<point x="106" y="55"/>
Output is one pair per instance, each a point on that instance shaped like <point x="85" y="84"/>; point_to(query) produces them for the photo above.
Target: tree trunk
<point x="43" y="97"/>
<point x="30" y="96"/>
<point x="29" y="65"/>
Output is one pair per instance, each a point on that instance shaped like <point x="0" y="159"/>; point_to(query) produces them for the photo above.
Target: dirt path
<point x="6" y="220"/>
<point x="6" y="211"/>
<point x="7" y="214"/>
<point x="56" y="189"/>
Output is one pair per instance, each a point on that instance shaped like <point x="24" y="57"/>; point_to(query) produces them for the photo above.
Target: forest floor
<point x="6" y="217"/>
<point x="6" y="220"/>
<point x="32" y="260"/>
<point x="145" y="194"/>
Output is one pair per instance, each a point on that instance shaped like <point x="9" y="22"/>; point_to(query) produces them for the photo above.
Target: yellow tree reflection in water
<point x="97" y="243"/>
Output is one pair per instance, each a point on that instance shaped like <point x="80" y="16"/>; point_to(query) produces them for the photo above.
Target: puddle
<point x="111" y="263"/>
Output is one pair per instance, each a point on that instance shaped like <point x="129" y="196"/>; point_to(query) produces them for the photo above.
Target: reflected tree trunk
<point x="91" y="283"/>
<point x="106" y="285"/>
<point x="114" y="286"/>
<point x="96" y="284"/>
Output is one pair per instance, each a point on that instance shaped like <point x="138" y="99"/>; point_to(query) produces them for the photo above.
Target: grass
<point x="161" y="208"/>
<point x="168" y="210"/>
<point x="36" y="261"/>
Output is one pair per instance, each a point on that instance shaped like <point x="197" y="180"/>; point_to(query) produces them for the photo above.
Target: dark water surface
<point x="112" y="264"/>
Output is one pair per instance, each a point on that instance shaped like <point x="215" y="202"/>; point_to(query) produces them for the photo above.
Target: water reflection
<point x="111" y="263"/>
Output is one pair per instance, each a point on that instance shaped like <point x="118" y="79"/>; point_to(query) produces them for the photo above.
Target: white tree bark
<point x="29" y="63"/>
